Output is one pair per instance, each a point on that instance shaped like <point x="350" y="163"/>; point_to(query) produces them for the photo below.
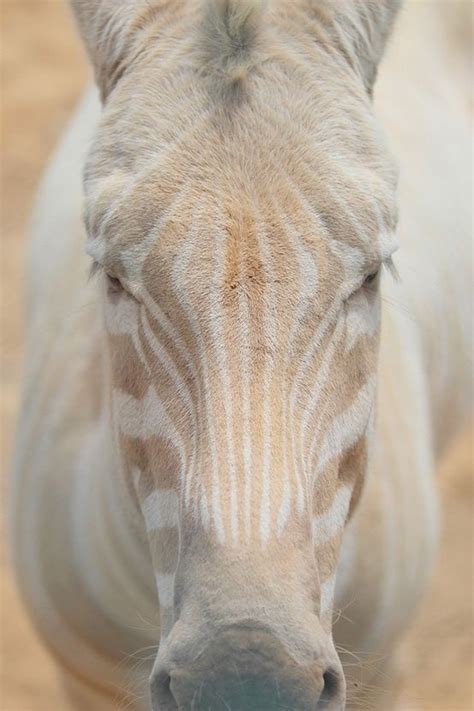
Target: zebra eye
<point x="371" y="279"/>
<point x="114" y="285"/>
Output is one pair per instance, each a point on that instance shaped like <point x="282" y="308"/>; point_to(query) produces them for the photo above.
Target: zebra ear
<point x="361" y="29"/>
<point x="107" y="28"/>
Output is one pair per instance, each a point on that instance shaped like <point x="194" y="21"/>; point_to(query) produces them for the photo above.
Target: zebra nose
<point x="248" y="670"/>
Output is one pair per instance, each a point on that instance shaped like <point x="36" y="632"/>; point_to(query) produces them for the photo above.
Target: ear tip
<point x="367" y="26"/>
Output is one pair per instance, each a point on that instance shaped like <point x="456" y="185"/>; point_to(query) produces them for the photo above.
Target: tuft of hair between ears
<point x="231" y="31"/>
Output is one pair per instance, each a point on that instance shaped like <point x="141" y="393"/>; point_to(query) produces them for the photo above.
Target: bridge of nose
<point x="245" y="630"/>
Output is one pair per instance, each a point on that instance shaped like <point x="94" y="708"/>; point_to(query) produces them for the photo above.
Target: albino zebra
<point x="214" y="460"/>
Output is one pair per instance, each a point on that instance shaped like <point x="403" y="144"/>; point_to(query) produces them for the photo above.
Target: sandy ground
<point x="42" y="76"/>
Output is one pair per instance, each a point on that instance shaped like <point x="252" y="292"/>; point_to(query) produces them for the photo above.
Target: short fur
<point x="231" y="27"/>
<point x="198" y="454"/>
<point x="230" y="38"/>
<point x="362" y="30"/>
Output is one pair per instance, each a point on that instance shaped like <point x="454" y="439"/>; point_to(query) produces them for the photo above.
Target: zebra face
<point x="244" y="370"/>
<point x="243" y="357"/>
<point x="241" y="249"/>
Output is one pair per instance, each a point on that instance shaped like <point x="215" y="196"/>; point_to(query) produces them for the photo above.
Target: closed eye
<point x="373" y="278"/>
<point x="114" y="285"/>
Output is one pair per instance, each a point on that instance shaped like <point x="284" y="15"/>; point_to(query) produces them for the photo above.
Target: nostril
<point x="331" y="689"/>
<point x="161" y="695"/>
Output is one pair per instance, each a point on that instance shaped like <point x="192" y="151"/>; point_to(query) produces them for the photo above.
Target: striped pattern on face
<point x="242" y="386"/>
<point x="243" y="343"/>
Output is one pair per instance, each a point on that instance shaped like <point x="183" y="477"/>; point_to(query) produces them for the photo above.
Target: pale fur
<point x="85" y="534"/>
<point x="230" y="39"/>
<point x="362" y="29"/>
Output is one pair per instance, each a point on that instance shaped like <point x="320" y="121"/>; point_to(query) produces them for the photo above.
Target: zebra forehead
<point x="305" y="154"/>
<point x="299" y="239"/>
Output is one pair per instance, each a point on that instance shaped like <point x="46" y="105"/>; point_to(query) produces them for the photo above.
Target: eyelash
<point x="94" y="270"/>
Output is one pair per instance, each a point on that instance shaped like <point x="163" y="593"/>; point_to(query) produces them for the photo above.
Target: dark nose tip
<point x="246" y="671"/>
<point x="245" y="694"/>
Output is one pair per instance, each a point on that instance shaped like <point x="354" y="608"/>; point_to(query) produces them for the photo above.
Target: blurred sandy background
<point x="43" y="72"/>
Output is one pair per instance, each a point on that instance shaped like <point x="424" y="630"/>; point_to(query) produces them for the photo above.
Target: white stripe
<point x="136" y="475"/>
<point x="123" y="318"/>
<point x="245" y="355"/>
<point x="168" y="328"/>
<point x="310" y="273"/>
<point x="327" y="595"/>
<point x="329" y="524"/>
<point x="348" y="427"/>
<point x="363" y="318"/>
<point x="183" y="393"/>
<point x="181" y="263"/>
<point x="203" y="507"/>
<point x="134" y="258"/>
<point x="285" y="508"/>
<point x="308" y="356"/>
<point x="219" y="345"/>
<point x="168" y="364"/>
<point x="160" y="509"/>
<point x="269" y="325"/>
<point x="305" y="363"/>
<point x="321" y="381"/>
<point x="165" y="587"/>
<point x="346" y="565"/>
<point x="146" y="418"/>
